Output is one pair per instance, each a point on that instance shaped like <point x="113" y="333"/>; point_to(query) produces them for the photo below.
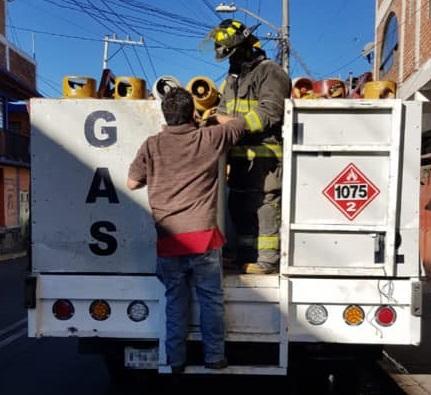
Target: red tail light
<point x="63" y="309"/>
<point x="386" y="316"/>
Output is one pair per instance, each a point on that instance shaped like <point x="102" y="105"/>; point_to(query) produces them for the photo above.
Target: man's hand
<point x="222" y="119"/>
<point x="132" y="184"/>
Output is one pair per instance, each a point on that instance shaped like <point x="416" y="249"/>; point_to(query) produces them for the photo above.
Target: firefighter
<point x="255" y="89"/>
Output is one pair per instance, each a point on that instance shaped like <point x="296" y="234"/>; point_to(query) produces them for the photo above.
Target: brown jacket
<point x="180" y="167"/>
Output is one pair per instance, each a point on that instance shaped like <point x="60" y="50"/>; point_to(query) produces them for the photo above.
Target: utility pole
<point x="285" y="37"/>
<point x="107" y="40"/>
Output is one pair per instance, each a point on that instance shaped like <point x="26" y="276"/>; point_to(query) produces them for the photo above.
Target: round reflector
<point x="316" y="314"/>
<point x="138" y="311"/>
<point x="100" y="310"/>
<point x="385" y="315"/>
<point x="353" y="315"/>
<point x="63" y="309"/>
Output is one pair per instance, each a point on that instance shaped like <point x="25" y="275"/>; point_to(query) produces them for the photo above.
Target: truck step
<point x="235" y="369"/>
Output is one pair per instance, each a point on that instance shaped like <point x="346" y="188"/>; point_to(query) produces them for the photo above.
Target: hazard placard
<point x="351" y="191"/>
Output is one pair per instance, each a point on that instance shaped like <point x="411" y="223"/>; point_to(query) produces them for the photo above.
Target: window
<point x="15" y="127"/>
<point x="390" y="44"/>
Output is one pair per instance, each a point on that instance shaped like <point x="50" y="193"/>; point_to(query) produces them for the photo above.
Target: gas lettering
<point x="107" y="134"/>
<point x="107" y="244"/>
<point x="102" y="187"/>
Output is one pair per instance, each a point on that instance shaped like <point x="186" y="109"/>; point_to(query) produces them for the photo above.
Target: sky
<point x="66" y="37"/>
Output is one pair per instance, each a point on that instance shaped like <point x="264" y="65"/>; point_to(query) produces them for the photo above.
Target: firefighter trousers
<point x="256" y="217"/>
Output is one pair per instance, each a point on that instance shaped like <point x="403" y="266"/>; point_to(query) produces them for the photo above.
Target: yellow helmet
<point x="229" y="35"/>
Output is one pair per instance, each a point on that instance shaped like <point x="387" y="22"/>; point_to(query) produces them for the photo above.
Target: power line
<point x="141" y="65"/>
<point x="211" y="8"/>
<point x="49" y="83"/>
<point x="128" y="62"/>
<point x="145" y="46"/>
<point x="91" y="9"/>
<point x="60" y="35"/>
<point x="374" y="45"/>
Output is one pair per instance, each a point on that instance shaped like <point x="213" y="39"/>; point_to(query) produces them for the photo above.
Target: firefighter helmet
<point x="229" y="35"/>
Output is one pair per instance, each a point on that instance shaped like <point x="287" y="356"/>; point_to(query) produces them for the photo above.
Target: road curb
<point x="410" y="385"/>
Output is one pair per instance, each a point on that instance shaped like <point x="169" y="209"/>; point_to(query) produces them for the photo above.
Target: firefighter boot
<point x="259" y="268"/>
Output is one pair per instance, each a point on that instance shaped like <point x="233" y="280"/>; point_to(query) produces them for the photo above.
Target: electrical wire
<point x="60" y="35"/>
<point x="128" y="62"/>
<point x="373" y="46"/>
<point x="49" y="83"/>
<point x="211" y="8"/>
<point x="124" y="30"/>
<point x="141" y="64"/>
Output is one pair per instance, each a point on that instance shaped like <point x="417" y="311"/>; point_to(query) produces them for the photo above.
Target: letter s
<point x="109" y="240"/>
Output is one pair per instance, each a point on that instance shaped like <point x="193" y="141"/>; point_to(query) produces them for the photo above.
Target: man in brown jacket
<point x="180" y="167"/>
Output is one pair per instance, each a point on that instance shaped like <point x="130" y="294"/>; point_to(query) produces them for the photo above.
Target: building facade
<point x="17" y="85"/>
<point x="403" y="46"/>
<point x="403" y="54"/>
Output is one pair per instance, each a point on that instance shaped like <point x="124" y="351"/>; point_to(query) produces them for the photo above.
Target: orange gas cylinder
<point x="330" y="89"/>
<point x="380" y="90"/>
<point x="302" y="88"/>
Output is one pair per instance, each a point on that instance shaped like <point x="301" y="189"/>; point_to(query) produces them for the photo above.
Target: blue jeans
<point x="179" y="274"/>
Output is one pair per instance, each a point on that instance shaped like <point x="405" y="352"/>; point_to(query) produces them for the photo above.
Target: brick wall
<point x="409" y="29"/>
<point x="425" y="43"/>
<point x="409" y="39"/>
<point x="22" y="68"/>
<point x="393" y="72"/>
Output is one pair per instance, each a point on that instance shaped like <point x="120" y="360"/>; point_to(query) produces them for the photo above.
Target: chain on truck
<point x="350" y="272"/>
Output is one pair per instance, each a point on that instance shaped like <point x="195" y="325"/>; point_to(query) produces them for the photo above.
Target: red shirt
<point x="190" y="243"/>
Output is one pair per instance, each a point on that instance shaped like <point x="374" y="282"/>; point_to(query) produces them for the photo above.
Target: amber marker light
<point x="353" y="315"/>
<point x="100" y="310"/>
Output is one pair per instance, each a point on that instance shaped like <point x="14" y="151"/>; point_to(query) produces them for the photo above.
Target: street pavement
<point x="410" y="366"/>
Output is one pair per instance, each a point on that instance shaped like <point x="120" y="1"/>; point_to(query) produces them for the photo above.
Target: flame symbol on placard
<point x="352" y="176"/>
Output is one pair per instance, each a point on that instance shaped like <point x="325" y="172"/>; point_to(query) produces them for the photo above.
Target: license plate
<point x="141" y="358"/>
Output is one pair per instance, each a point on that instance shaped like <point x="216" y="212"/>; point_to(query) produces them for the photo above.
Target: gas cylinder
<point x="130" y="88"/>
<point x="77" y="87"/>
<point x="302" y="88"/>
<point x="330" y="89"/>
<point x="163" y="85"/>
<point x="380" y="90"/>
<point x="204" y="93"/>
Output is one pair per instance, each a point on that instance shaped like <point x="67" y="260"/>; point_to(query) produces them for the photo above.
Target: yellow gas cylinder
<point x="380" y="90"/>
<point x="76" y="87"/>
<point x="130" y="88"/>
<point x="204" y="92"/>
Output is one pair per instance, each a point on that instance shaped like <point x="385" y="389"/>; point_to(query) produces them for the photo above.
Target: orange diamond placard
<point x="351" y="191"/>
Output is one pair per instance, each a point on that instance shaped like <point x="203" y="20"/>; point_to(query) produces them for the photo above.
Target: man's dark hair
<point x="178" y="107"/>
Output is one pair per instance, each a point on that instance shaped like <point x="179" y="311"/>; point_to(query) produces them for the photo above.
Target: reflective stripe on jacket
<point x="258" y="94"/>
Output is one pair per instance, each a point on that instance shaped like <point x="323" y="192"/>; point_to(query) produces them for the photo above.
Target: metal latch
<point x="30" y="292"/>
<point x="417" y="297"/>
